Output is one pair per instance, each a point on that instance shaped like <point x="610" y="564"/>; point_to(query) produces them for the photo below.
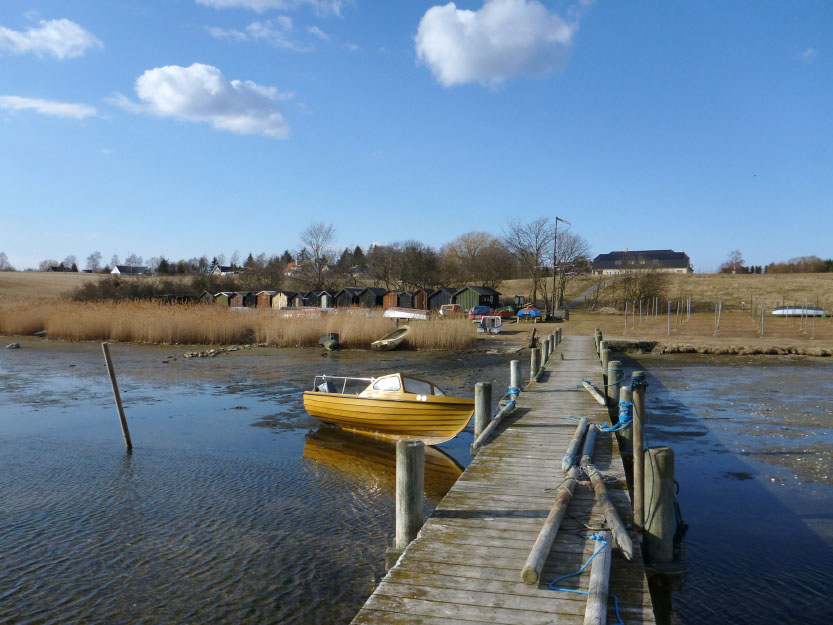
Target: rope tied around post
<point x="638" y="380"/>
<point x="625" y="418"/>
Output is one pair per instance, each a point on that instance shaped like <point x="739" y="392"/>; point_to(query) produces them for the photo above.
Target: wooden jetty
<point x="465" y="564"/>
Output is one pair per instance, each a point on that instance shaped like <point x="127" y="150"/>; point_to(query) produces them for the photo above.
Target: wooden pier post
<point x="534" y="363"/>
<point x="558" y="336"/>
<point x="515" y="375"/>
<point x="596" y="611"/>
<point x="659" y="505"/>
<point x="115" y="385"/>
<point x="605" y="363"/>
<point x="625" y="436"/>
<point x="603" y="345"/>
<point x="545" y="350"/>
<point x="482" y="407"/>
<point x="639" y="385"/>
<point x="410" y="483"/>
<point x="614" y="378"/>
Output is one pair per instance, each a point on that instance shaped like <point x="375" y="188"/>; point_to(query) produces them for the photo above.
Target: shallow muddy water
<point x="234" y="507"/>
<point x="753" y="444"/>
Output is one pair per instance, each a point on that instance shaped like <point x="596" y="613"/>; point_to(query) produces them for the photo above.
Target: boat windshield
<point x="387" y="384"/>
<point x="418" y="387"/>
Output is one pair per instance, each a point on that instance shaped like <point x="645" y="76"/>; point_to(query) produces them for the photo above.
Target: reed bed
<point x="201" y="324"/>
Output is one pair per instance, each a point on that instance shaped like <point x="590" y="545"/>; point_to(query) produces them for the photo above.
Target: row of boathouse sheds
<point x="370" y="297"/>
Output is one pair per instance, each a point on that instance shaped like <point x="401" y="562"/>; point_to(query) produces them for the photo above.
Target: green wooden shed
<point x="470" y="296"/>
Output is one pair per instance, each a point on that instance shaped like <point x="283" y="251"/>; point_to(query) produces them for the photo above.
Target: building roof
<point x="376" y="290"/>
<point x="480" y="290"/>
<point x="352" y="290"/>
<point x="131" y="269"/>
<point x="659" y="258"/>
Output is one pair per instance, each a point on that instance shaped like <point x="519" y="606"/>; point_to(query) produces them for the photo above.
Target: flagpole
<point x="554" y="261"/>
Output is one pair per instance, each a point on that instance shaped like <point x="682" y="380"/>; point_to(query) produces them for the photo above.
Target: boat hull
<point x="433" y="419"/>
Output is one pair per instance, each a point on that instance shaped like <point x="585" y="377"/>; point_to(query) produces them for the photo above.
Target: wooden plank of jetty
<point x="465" y="564"/>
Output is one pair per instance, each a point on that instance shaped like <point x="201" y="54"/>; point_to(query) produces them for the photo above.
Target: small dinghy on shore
<point x="392" y="340"/>
<point x="797" y="311"/>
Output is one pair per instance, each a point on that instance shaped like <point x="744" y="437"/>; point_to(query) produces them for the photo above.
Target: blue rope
<point x="513" y="391"/>
<point x="625" y="418"/>
<point x="638" y="381"/>
<point x="553" y="583"/>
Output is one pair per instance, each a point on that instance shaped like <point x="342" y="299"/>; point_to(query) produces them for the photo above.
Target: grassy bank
<point x="198" y="324"/>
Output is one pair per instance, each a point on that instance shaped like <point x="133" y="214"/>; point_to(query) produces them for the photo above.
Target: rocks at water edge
<point x="13" y="346"/>
<point x="210" y="353"/>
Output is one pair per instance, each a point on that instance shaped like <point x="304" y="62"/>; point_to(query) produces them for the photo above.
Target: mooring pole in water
<point x="410" y="482"/>
<point x="112" y="373"/>
<point x="534" y="363"/>
<point x="482" y="407"/>
<point x="614" y="378"/>
<point x="638" y="385"/>
<point x="515" y="375"/>
<point x="659" y="504"/>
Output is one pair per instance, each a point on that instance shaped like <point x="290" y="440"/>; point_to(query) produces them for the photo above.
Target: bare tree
<point x="531" y="244"/>
<point x="733" y="264"/>
<point x="476" y="258"/>
<point x="318" y="239"/>
<point x="94" y="262"/>
<point x="4" y="262"/>
<point x="572" y="260"/>
<point x="380" y="265"/>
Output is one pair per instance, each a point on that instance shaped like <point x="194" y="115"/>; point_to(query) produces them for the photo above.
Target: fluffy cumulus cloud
<point x="322" y="7"/>
<point x="200" y="93"/>
<point x="47" y="107"/>
<point x="503" y="39"/>
<point x="62" y="38"/>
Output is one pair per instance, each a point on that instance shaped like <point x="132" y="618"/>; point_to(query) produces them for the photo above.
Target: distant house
<point x="224" y="270"/>
<point x="282" y="299"/>
<point x="391" y="299"/>
<point x="372" y="297"/>
<point x="58" y="268"/>
<point x="631" y="261"/>
<point x="130" y="270"/>
<point x="443" y="295"/>
<point x="264" y="299"/>
<point x="348" y="296"/>
<point x="405" y="299"/>
<point x="207" y="297"/>
<point x="470" y="296"/>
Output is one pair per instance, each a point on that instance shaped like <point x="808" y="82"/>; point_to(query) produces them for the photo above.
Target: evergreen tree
<point x="359" y="259"/>
<point x="250" y="261"/>
<point x="286" y="258"/>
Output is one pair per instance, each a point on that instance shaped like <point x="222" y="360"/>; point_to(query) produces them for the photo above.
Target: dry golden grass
<point x="774" y="289"/>
<point x="40" y="285"/>
<point x="200" y="324"/>
<point x="509" y="288"/>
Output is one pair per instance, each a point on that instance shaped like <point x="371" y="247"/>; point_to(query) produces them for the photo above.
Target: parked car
<point x="478" y="312"/>
<point x="506" y="311"/>
<point x="451" y="310"/>
<point x="529" y="312"/>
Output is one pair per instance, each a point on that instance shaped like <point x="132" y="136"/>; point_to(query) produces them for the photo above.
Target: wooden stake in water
<point x="669" y="317"/>
<point x="763" y="314"/>
<point x="112" y="373"/>
<point x="626" y="317"/>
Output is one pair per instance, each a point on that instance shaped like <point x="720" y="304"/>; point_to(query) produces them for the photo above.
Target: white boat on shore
<point x="797" y="311"/>
<point x="490" y="324"/>
<point x="396" y="312"/>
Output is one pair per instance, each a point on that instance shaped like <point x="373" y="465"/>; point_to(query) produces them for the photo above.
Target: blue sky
<point x="190" y="127"/>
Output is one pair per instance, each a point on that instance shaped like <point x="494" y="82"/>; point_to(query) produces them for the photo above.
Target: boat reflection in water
<point x="374" y="461"/>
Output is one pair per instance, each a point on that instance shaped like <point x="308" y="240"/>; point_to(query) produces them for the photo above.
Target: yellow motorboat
<point x="392" y="340"/>
<point x="373" y="462"/>
<point x="391" y="407"/>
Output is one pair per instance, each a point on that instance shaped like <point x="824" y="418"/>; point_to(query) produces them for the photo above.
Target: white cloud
<point x="275" y="32"/>
<point x="47" y="107"/>
<point x="314" y="30"/>
<point x="61" y="38"/>
<point x="200" y="93"/>
<point x="322" y="7"/>
<point x="503" y="39"/>
<point x="809" y="55"/>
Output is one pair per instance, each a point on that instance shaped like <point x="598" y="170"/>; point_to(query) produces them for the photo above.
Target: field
<point x="40" y="285"/>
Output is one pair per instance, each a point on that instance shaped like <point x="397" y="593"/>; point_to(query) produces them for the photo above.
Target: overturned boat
<point x="797" y="311"/>
<point x="391" y="407"/>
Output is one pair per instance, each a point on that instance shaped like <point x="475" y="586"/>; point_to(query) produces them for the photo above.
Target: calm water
<point x="234" y="507"/>
<point x="753" y="443"/>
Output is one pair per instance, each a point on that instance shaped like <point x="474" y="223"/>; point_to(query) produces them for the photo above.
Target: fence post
<point x="638" y="384"/>
<point x="117" y="396"/>
<point x="659" y="504"/>
<point x="410" y="483"/>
